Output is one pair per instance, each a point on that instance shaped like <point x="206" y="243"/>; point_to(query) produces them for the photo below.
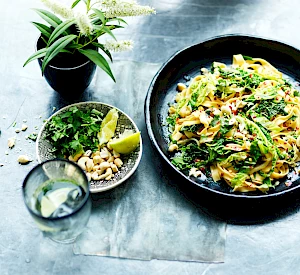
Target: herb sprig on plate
<point x="74" y="131"/>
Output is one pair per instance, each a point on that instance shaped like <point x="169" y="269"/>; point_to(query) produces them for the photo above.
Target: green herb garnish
<point x="74" y="131"/>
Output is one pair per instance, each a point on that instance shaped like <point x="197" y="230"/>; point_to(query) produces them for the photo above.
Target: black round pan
<point x="187" y="63"/>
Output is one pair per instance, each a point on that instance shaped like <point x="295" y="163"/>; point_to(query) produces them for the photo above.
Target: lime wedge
<point x="108" y="126"/>
<point x="51" y="202"/>
<point x="126" y="143"/>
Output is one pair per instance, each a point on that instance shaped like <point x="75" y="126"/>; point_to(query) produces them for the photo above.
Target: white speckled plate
<point x="130" y="162"/>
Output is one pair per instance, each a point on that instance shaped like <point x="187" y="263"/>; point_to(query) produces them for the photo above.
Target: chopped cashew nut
<point x="97" y="159"/>
<point x="181" y="87"/>
<point x="111" y="159"/>
<point x="11" y="142"/>
<point x="95" y="176"/>
<point x="114" y="168"/>
<point x="97" y="153"/>
<point x="23" y="159"/>
<point x="89" y="165"/>
<point x="108" y="172"/>
<point x="104" y="165"/>
<point x="108" y="177"/>
<point x="173" y="147"/>
<point x="99" y="165"/>
<point x="96" y="167"/>
<point x="87" y="153"/>
<point x="82" y="162"/>
<point x="194" y="172"/>
<point x="24" y="127"/>
<point x="118" y="162"/>
<point x="105" y="154"/>
<point x="101" y="171"/>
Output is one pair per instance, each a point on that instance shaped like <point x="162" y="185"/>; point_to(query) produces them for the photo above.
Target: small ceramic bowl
<point x="130" y="161"/>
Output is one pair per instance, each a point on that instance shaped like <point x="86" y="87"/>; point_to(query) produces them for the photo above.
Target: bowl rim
<point x="149" y="126"/>
<point x="129" y="174"/>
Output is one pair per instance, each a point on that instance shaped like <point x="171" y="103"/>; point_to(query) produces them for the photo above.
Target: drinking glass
<point x="56" y="194"/>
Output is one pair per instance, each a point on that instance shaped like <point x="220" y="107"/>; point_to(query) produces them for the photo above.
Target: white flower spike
<point x="118" y="46"/>
<point x="59" y="8"/>
<point x="84" y="25"/>
<point x="120" y="8"/>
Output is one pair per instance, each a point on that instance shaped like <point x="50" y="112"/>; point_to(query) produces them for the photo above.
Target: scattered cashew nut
<point x="11" y="142"/>
<point x="24" y="127"/>
<point x="24" y="159"/>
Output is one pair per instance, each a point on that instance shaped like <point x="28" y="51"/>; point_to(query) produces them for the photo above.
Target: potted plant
<point x="68" y="49"/>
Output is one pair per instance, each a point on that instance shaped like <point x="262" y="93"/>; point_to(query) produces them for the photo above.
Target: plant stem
<point x="91" y="41"/>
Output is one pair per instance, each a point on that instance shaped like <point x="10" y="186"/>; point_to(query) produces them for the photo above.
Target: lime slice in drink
<point x="126" y="143"/>
<point x="51" y="202"/>
<point x="108" y="126"/>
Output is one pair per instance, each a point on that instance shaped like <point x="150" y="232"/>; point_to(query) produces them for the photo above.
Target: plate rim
<point x="96" y="190"/>
<point x="151" y="134"/>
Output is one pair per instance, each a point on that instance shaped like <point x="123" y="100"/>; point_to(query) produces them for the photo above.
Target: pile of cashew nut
<point x="99" y="165"/>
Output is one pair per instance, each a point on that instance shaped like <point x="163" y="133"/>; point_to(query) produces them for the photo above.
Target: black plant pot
<point x="68" y="74"/>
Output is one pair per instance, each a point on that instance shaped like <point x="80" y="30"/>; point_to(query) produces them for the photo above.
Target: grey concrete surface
<point x="267" y="248"/>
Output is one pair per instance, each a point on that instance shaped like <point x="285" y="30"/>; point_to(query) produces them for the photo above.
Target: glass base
<point x="63" y="241"/>
<point x="61" y="237"/>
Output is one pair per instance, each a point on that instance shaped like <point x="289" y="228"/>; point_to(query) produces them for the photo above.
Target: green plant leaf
<point x="88" y="3"/>
<point x="110" y="27"/>
<point x="103" y="49"/>
<point x="45" y="41"/>
<point x="38" y="54"/>
<point x="55" y="48"/>
<point x="96" y="27"/>
<point x="60" y="29"/>
<point x="108" y="31"/>
<point x="117" y="19"/>
<point x="49" y="17"/>
<point x="45" y="30"/>
<point x="74" y="46"/>
<point x="99" y="60"/>
<point x="100" y="15"/>
<point x="65" y="51"/>
<point x="75" y="4"/>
